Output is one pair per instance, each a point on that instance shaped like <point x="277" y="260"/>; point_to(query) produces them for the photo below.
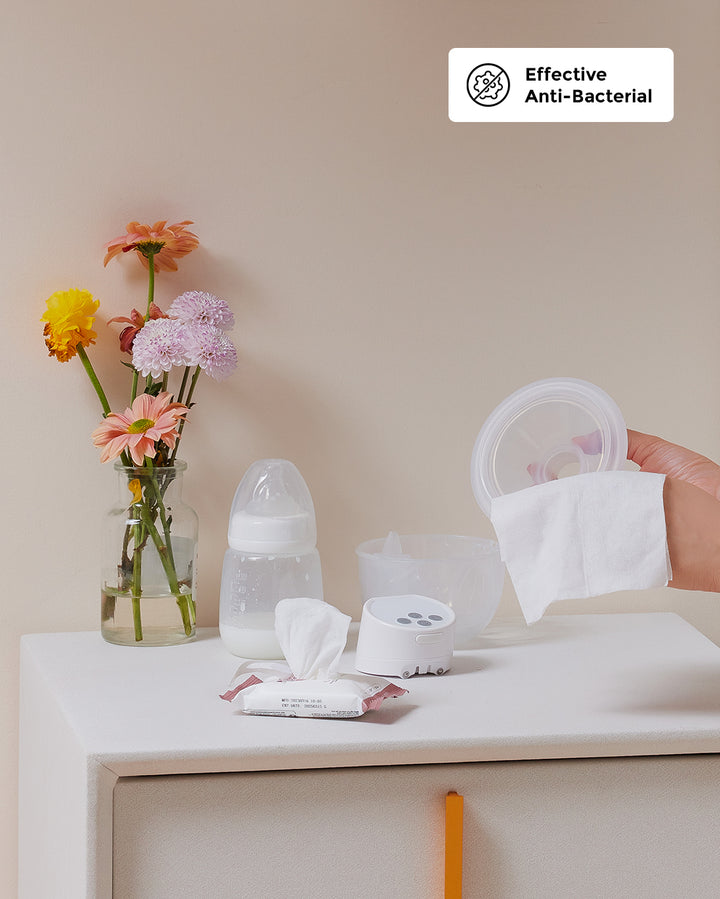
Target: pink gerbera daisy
<point x="166" y="242"/>
<point x="137" y="429"/>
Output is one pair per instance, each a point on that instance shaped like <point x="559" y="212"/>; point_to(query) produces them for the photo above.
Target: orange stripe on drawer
<point x="453" y="845"/>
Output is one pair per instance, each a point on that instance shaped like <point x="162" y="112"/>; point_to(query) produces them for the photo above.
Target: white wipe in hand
<point x="583" y="536"/>
<point x="312" y="635"/>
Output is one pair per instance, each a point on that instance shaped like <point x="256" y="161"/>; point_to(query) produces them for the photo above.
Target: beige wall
<point x="393" y="275"/>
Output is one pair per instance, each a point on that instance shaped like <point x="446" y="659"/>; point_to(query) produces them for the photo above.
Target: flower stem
<point x="144" y="511"/>
<point x="183" y="383"/>
<point x="181" y="425"/>
<point x="161" y="509"/>
<point x="87" y="365"/>
<point x="164" y="554"/>
<point x="165" y="551"/>
<point x="150" y="256"/>
<point x="137" y="582"/>
<point x="196" y="375"/>
<point x="98" y="389"/>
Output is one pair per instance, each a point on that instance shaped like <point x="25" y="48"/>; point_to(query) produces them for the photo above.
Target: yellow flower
<point x="69" y="319"/>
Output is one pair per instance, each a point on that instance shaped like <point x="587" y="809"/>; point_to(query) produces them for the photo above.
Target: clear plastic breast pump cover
<point x="272" y="511"/>
<point x="544" y="431"/>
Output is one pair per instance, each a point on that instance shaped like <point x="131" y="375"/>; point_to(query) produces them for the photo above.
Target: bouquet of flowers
<point x="188" y="339"/>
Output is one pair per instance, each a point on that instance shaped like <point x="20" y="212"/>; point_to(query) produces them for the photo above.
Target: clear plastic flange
<point x="544" y="431"/>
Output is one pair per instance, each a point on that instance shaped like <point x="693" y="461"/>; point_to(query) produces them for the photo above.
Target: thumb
<point x="657" y="455"/>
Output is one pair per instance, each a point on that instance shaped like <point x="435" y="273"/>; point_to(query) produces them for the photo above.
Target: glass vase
<point x="149" y="559"/>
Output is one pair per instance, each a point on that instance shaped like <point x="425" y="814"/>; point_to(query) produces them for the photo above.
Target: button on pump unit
<point x="430" y="638"/>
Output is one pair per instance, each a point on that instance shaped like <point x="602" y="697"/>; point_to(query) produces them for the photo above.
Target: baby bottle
<point x="271" y="556"/>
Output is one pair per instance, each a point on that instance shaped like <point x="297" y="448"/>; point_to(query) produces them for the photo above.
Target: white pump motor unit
<point x="404" y="635"/>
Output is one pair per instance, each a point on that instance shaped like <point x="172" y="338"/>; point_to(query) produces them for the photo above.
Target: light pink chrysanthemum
<point x="202" y="308"/>
<point x="137" y="429"/>
<point x="211" y="349"/>
<point x="158" y="346"/>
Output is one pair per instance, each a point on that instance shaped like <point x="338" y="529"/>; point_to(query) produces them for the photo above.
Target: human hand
<point x="692" y="508"/>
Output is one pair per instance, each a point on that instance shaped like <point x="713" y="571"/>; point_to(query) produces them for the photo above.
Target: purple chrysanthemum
<point x="197" y="307"/>
<point x="159" y="345"/>
<point x="212" y="350"/>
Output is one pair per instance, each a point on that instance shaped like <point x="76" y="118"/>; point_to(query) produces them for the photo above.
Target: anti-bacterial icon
<point x="488" y="84"/>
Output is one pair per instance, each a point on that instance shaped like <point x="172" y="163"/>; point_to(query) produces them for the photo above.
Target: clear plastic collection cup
<point x="463" y="572"/>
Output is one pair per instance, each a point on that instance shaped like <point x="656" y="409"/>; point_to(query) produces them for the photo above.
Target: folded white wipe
<point x="583" y="536"/>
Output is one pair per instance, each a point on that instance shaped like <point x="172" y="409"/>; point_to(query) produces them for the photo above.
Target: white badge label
<point x="546" y="84"/>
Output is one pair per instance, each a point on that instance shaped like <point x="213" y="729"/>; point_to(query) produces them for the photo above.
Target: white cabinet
<point x="585" y="748"/>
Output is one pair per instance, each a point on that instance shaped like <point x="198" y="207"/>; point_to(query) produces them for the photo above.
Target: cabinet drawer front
<point x="635" y="827"/>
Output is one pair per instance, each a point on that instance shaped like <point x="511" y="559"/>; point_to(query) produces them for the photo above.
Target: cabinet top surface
<point x="569" y="687"/>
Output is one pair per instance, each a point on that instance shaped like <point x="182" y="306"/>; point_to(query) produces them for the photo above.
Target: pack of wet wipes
<point x="308" y="684"/>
